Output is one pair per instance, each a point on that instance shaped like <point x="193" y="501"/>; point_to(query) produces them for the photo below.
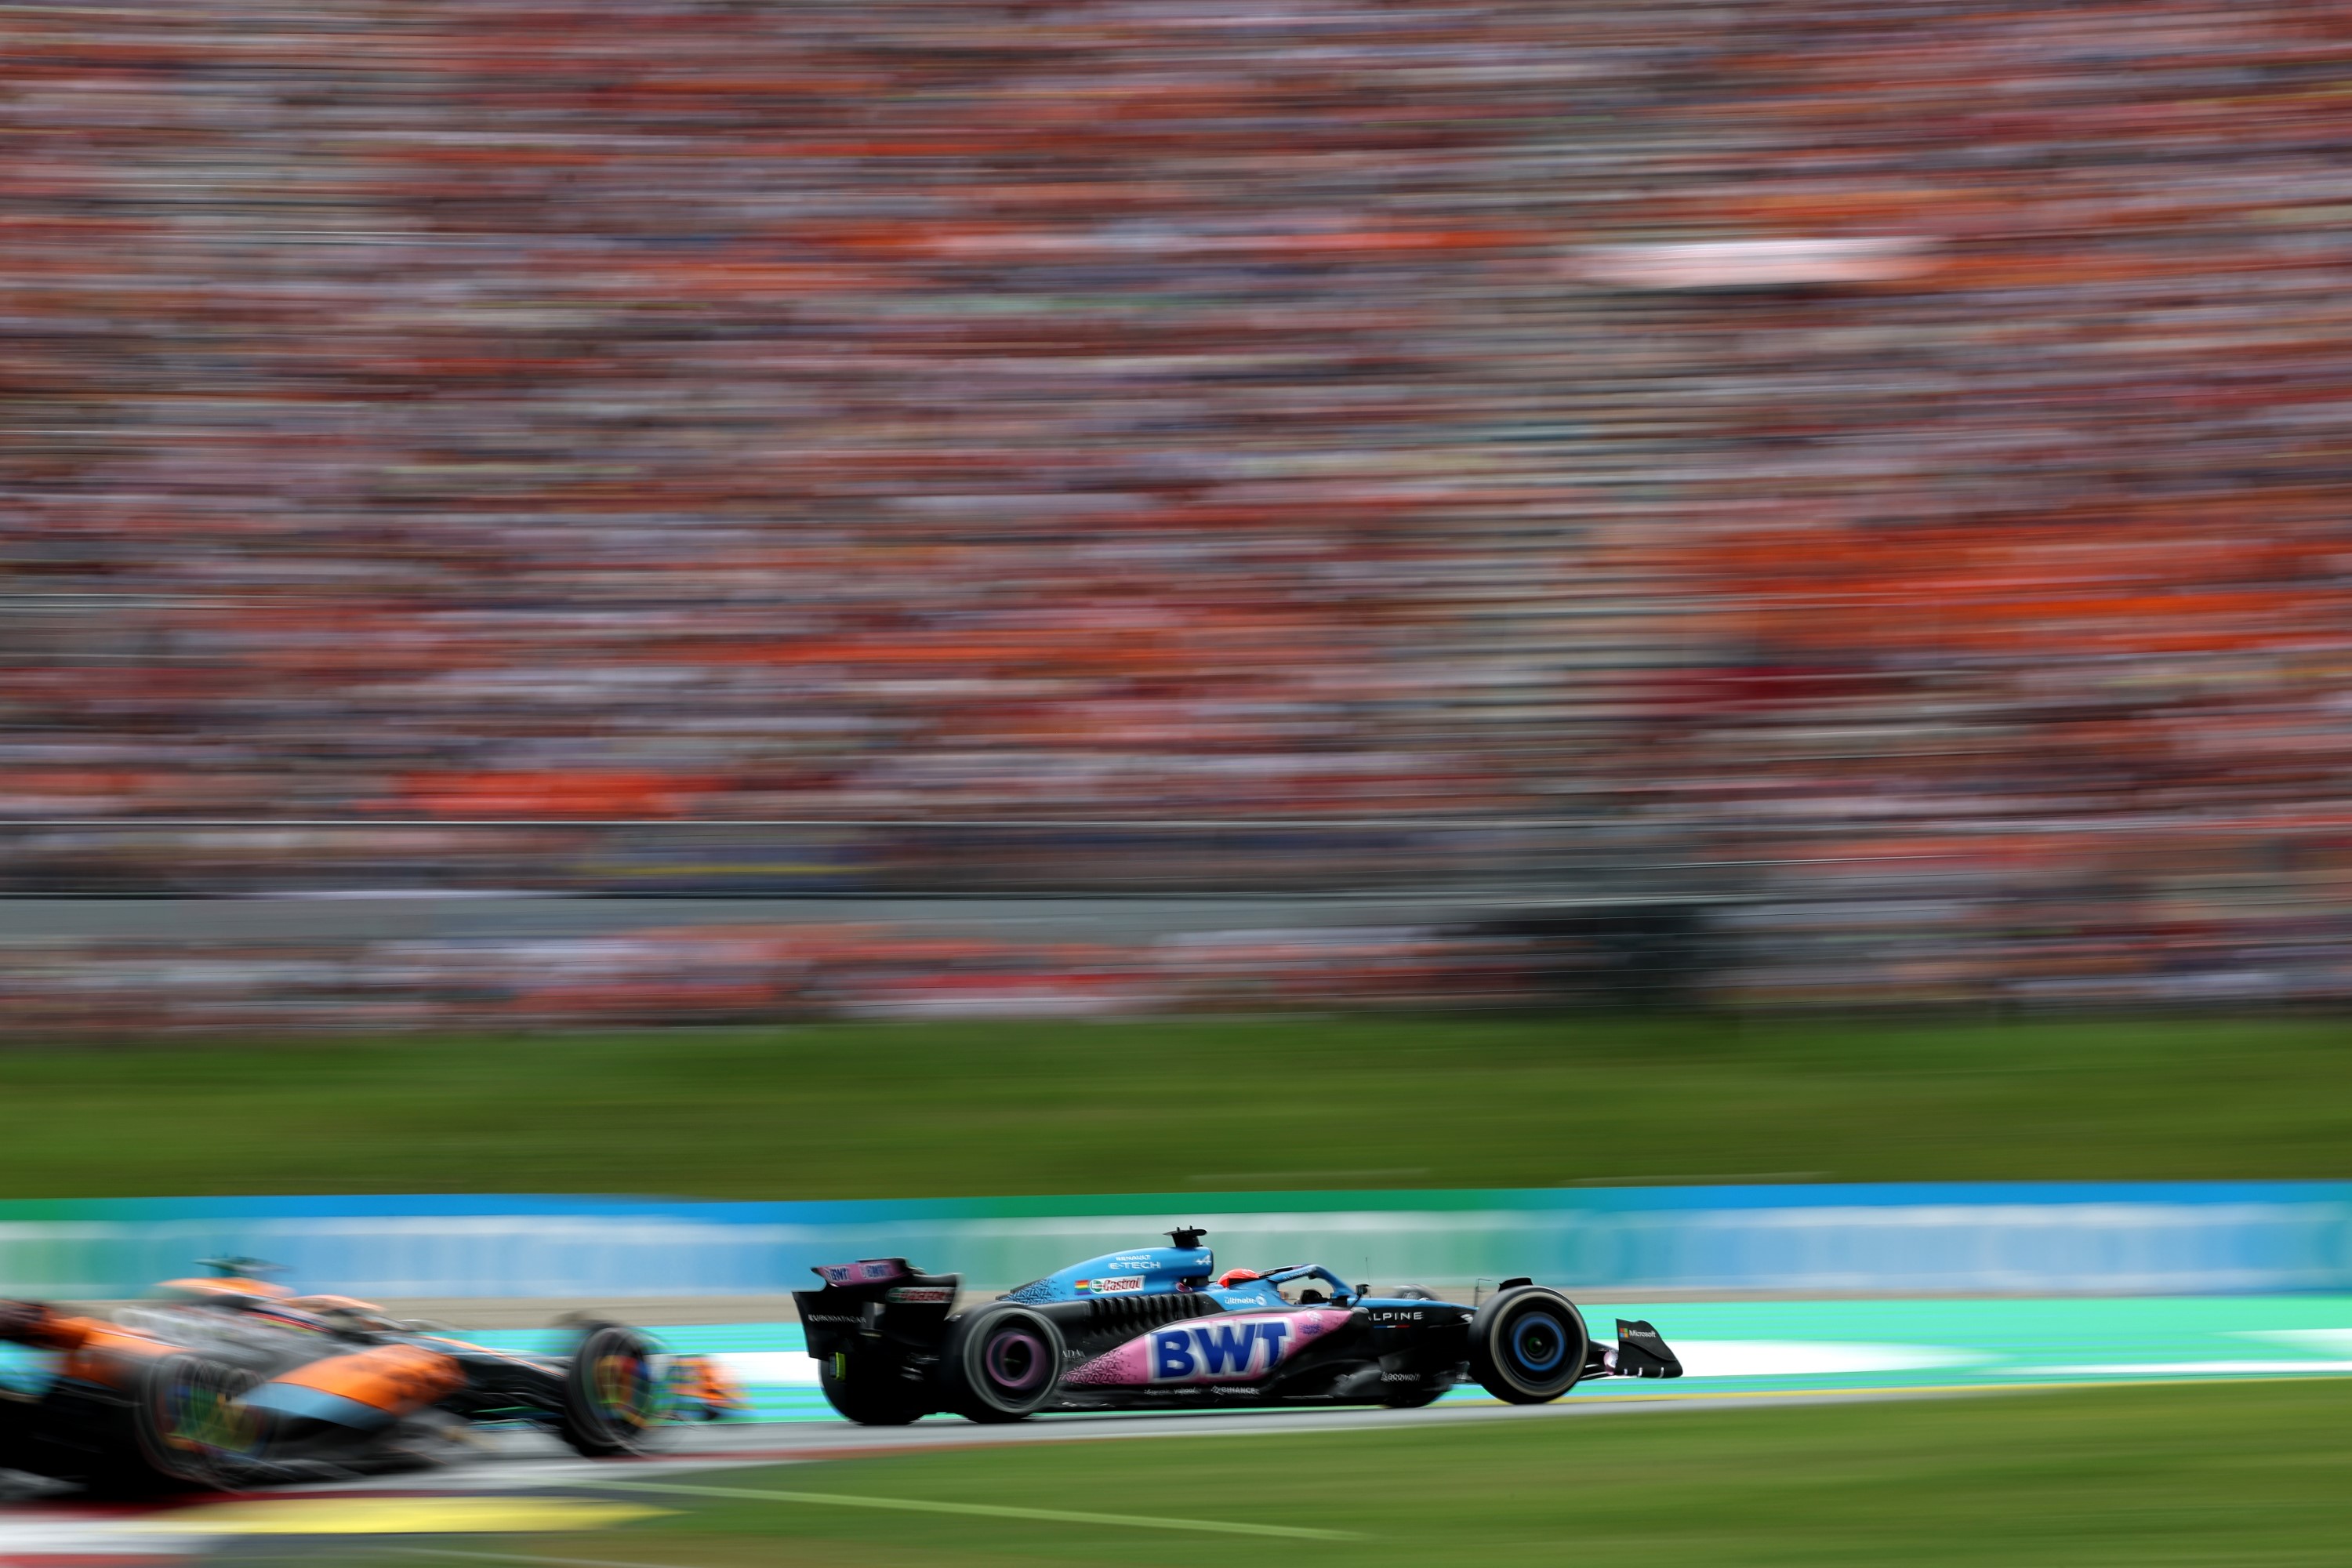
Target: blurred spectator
<point x="695" y="409"/>
<point x="723" y="974"/>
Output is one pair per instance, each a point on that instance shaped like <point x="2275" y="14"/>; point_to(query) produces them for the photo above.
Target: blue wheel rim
<point x="1538" y="1325"/>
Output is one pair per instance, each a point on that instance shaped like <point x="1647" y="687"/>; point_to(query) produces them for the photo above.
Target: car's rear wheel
<point x="1001" y="1363"/>
<point x="1529" y="1346"/>
<point x="1413" y="1396"/>
<point x="870" y="1392"/>
<point x="614" y="1392"/>
<point x="191" y="1423"/>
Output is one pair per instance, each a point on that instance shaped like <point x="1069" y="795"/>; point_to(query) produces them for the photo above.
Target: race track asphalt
<point x="1740" y="1356"/>
<point x="1738" y="1350"/>
<point x="520" y="1459"/>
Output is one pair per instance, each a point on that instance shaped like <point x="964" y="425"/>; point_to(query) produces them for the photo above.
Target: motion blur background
<point x="1792" y="556"/>
<point x="1763" y="504"/>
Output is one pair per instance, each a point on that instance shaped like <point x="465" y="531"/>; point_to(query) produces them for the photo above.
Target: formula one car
<point x="1159" y="1329"/>
<point x="235" y="1382"/>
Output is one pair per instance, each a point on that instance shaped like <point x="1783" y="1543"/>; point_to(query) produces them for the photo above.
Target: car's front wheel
<point x="1529" y="1346"/>
<point x="614" y="1393"/>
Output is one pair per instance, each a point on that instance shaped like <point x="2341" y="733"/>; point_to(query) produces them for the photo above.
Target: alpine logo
<point x="1125" y="1284"/>
<point x="1201" y="1353"/>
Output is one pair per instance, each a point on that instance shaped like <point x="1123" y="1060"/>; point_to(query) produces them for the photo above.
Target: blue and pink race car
<point x="1159" y="1329"/>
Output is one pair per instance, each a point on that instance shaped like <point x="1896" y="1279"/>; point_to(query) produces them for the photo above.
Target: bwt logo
<point x="1204" y="1350"/>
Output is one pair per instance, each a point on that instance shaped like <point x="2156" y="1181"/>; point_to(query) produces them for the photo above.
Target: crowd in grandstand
<point x="463" y="410"/>
<point x="706" y="974"/>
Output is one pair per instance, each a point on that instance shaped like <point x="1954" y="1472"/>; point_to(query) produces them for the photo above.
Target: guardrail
<point x="2157" y="1238"/>
<point x="814" y="857"/>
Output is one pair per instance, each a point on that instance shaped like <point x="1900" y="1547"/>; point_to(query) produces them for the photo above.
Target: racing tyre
<point x="190" y="1423"/>
<point x="613" y="1393"/>
<point x="869" y="1393"/>
<point x="1413" y="1396"/>
<point x="1527" y="1346"/>
<point x="1001" y="1363"/>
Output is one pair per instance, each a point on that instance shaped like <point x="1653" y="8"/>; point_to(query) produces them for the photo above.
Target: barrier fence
<point x="314" y="920"/>
<point x="1913" y="1239"/>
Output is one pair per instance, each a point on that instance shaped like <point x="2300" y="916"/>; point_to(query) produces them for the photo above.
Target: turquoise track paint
<point x="1802" y="1347"/>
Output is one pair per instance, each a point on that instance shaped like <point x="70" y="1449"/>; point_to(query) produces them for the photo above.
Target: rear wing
<point x="881" y="1297"/>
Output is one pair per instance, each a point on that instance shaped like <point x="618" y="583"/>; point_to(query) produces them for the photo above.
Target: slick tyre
<point x="1413" y="1396"/>
<point x="190" y="1426"/>
<point x="870" y="1392"/>
<point x="612" y="1394"/>
<point x="1001" y="1363"/>
<point x="1529" y="1346"/>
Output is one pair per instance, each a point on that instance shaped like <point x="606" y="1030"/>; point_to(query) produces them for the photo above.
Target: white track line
<point x="986" y="1510"/>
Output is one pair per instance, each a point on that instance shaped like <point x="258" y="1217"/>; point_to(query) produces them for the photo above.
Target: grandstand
<point x="923" y="412"/>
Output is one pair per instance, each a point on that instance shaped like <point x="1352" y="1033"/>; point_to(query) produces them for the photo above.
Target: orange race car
<point x="234" y="1382"/>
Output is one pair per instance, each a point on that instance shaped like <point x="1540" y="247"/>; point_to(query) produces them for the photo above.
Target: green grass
<point x="1003" y="1108"/>
<point x="2244" y="1474"/>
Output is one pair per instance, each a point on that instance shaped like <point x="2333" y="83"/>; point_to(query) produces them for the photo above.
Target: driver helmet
<point x="1236" y="1276"/>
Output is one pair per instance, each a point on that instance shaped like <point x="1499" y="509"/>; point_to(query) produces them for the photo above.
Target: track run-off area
<point x="1738" y="1354"/>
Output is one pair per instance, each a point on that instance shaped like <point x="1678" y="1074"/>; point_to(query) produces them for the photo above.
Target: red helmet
<point x="1235" y="1276"/>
